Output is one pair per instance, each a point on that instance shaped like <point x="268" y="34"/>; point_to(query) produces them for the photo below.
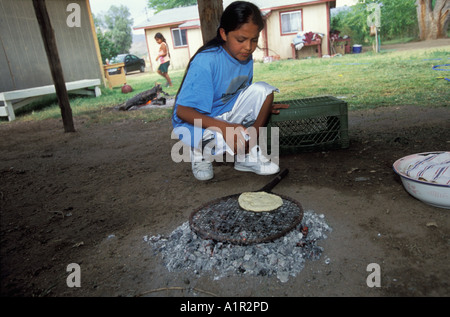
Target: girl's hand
<point x="276" y="107"/>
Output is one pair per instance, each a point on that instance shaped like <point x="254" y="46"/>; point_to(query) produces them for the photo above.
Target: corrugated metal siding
<point x="23" y="61"/>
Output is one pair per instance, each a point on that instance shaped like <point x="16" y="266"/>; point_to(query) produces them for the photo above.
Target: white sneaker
<point x="201" y="168"/>
<point x="257" y="163"/>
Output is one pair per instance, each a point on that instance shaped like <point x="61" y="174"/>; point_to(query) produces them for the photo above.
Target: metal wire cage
<point x="311" y="124"/>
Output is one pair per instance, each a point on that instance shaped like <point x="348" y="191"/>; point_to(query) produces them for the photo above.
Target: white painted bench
<point x="13" y="100"/>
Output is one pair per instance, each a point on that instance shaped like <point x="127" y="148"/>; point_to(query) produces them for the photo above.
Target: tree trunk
<point x="209" y="12"/>
<point x="48" y="37"/>
<point x="433" y="22"/>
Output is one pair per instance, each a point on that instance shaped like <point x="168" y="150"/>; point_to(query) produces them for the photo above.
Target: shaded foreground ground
<point x="90" y="197"/>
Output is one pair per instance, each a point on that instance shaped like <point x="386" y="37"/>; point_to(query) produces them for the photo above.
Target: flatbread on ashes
<point x="259" y="201"/>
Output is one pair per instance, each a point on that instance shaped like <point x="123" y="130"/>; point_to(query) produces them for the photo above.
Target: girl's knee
<point x="263" y="88"/>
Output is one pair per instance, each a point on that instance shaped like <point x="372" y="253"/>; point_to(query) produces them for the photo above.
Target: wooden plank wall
<point x="23" y="61"/>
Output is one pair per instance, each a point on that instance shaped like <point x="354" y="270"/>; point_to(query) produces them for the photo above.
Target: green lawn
<point x="366" y="80"/>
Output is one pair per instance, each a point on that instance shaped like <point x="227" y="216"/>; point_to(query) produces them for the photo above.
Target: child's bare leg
<point x="255" y="161"/>
<point x="264" y="113"/>
<point x="166" y="76"/>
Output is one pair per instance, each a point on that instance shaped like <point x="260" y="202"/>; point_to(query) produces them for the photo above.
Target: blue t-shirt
<point x="212" y="85"/>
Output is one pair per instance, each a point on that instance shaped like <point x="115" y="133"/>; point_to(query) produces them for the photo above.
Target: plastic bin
<point x="357" y="48"/>
<point x="311" y="124"/>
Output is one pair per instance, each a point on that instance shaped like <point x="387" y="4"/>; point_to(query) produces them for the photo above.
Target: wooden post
<point x="377" y="39"/>
<point x="209" y="12"/>
<point x="48" y="37"/>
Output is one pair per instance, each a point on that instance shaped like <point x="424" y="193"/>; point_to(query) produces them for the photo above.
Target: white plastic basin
<point x="437" y="195"/>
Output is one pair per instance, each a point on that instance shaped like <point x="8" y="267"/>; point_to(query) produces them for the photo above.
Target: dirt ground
<point x="90" y="197"/>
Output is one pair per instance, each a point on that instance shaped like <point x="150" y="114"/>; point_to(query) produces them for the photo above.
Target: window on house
<point x="291" y="22"/>
<point x="179" y="37"/>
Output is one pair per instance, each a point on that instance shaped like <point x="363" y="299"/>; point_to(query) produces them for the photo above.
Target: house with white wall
<point x="284" y="20"/>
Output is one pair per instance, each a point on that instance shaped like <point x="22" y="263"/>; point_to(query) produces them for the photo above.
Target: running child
<point x="163" y="58"/>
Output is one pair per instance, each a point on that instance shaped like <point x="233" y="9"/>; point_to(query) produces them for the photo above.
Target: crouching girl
<point x="218" y="95"/>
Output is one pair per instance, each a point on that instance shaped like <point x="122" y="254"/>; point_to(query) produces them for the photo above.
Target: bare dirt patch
<point x="413" y="45"/>
<point x="90" y="197"/>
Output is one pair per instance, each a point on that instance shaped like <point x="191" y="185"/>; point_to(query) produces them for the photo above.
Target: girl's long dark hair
<point x="160" y="36"/>
<point x="234" y="16"/>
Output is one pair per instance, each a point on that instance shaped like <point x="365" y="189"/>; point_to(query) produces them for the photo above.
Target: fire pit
<point x="184" y="251"/>
<point x="221" y="237"/>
